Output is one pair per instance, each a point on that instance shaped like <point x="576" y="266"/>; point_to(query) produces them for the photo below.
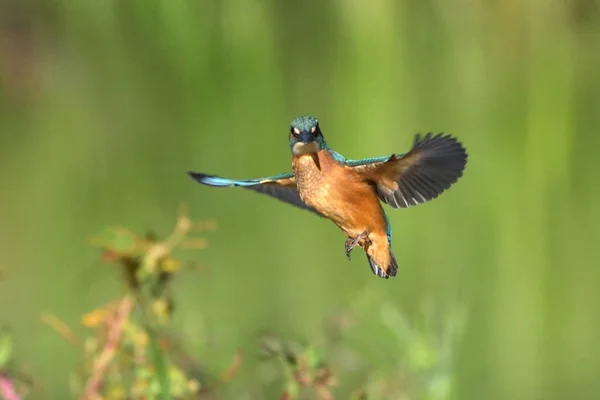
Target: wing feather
<point x="282" y="186"/>
<point x="432" y="165"/>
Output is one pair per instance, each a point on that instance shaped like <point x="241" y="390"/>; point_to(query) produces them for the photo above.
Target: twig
<point x="160" y="250"/>
<point x="324" y="393"/>
<point x="232" y="370"/>
<point x="110" y="348"/>
<point x="61" y="327"/>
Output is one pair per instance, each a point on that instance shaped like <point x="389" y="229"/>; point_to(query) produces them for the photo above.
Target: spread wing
<point x="402" y="180"/>
<point x="282" y="186"/>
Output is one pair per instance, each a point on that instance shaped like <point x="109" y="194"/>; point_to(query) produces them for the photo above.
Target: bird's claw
<point x="352" y="243"/>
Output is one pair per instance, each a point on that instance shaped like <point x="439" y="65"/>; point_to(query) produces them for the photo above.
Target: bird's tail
<point x="384" y="271"/>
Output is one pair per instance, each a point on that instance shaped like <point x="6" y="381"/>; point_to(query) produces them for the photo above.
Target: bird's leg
<point x="352" y="243"/>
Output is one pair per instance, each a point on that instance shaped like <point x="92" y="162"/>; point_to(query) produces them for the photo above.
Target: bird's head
<point x="306" y="136"/>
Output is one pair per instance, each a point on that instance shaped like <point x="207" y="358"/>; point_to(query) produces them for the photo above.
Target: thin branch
<point x="61" y="327"/>
<point x="160" y="250"/>
<point x="110" y="348"/>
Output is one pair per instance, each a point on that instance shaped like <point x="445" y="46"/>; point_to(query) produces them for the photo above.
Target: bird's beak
<point x="306" y="144"/>
<point x="306" y="137"/>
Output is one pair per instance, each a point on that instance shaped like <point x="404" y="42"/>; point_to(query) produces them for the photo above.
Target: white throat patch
<point x="304" y="148"/>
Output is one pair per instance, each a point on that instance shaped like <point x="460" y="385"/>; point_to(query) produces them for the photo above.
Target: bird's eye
<point x="295" y="131"/>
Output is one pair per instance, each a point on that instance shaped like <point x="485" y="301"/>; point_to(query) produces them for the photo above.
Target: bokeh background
<point x="104" y="106"/>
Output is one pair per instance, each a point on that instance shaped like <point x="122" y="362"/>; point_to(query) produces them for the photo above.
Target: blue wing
<point x="364" y="161"/>
<point x="402" y="180"/>
<point x="282" y="186"/>
<point x="354" y="163"/>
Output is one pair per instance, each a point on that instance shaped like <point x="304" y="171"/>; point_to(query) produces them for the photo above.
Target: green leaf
<point x="6" y="346"/>
<point x="292" y="389"/>
<point x="313" y="357"/>
<point x="162" y="371"/>
<point x="118" y="240"/>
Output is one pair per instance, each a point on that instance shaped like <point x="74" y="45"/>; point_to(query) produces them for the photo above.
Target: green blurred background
<point x="105" y="105"/>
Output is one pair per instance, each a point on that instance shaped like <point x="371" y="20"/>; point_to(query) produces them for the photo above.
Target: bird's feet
<point x="352" y="243"/>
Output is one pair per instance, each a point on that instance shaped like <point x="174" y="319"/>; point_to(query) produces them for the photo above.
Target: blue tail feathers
<point x="391" y="269"/>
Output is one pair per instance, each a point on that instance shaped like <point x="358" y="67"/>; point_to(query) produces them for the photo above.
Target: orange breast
<point x="339" y="193"/>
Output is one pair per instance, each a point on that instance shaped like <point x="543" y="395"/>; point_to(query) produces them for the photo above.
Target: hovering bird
<point x="350" y="192"/>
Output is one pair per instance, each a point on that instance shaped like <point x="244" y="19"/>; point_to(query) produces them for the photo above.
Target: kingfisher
<point x="350" y="192"/>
